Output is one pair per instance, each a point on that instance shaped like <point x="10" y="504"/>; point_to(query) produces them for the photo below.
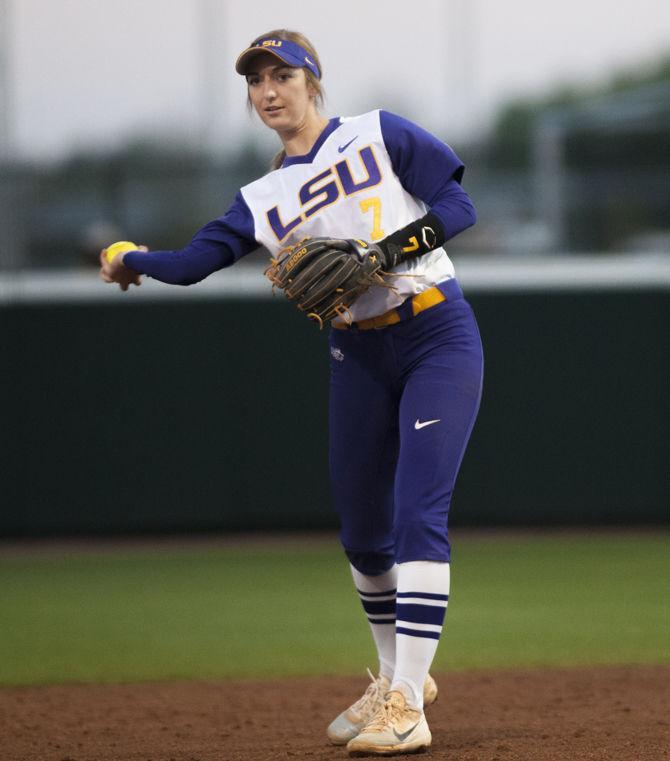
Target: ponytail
<point x="278" y="160"/>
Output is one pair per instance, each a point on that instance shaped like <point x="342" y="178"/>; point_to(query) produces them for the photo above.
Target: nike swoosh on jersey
<point x="404" y="735"/>
<point x="418" y="426"/>
<point x="343" y="148"/>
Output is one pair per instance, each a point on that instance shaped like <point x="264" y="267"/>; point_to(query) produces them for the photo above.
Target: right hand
<point x="116" y="272"/>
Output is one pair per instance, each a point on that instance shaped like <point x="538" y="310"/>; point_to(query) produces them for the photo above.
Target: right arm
<point x="218" y="244"/>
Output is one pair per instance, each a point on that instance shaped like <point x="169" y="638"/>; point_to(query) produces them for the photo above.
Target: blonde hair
<point x="299" y="39"/>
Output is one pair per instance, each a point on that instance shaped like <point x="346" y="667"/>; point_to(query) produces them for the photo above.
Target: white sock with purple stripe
<point x="377" y="595"/>
<point x="423" y="593"/>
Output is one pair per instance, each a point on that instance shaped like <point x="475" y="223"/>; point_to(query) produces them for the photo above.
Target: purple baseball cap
<point x="287" y="51"/>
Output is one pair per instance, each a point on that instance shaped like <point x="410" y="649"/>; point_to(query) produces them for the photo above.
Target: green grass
<point x="263" y="612"/>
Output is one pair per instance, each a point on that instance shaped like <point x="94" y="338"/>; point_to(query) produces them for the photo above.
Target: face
<point x="280" y="94"/>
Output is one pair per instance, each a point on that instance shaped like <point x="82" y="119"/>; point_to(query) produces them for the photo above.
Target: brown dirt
<point x="603" y="713"/>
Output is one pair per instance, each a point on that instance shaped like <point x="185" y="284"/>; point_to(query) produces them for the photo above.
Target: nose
<point x="269" y="91"/>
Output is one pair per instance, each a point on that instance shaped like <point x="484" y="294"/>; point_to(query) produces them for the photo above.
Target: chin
<point x="279" y="122"/>
<point x="273" y="118"/>
<point x="282" y="125"/>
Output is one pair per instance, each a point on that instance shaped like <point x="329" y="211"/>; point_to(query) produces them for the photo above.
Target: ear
<point x="311" y="90"/>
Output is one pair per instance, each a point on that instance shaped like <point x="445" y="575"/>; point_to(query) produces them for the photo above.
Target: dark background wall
<point x="210" y="415"/>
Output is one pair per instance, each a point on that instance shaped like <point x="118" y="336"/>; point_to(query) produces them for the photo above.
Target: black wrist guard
<point x="417" y="238"/>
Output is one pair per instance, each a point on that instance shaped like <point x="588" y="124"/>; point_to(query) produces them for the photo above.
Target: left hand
<point x="116" y="272"/>
<point x="324" y="276"/>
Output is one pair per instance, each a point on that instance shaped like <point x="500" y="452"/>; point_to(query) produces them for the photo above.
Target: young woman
<point x="406" y="376"/>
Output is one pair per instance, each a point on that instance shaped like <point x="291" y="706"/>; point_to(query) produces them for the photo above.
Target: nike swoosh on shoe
<point x="402" y="736"/>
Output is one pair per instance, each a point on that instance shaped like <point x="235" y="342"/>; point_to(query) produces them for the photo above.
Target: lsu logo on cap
<point x="271" y="44"/>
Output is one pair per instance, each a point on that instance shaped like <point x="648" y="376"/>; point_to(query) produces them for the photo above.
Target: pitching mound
<point x="591" y="713"/>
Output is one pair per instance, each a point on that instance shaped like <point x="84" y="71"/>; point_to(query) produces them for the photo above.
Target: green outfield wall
<point x="128" y="415"/>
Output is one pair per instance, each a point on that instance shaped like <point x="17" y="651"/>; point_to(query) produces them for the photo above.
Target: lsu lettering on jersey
<point x="366" y="177"/>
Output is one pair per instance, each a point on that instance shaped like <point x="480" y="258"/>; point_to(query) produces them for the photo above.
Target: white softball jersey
<point x="345" y="188"/>
<point x="365" y="177"/>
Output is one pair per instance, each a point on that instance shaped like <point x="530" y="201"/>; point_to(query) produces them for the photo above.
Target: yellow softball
<point x="120" y="247"/>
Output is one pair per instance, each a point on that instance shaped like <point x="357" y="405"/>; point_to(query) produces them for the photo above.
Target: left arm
<point x="431" y="171"/>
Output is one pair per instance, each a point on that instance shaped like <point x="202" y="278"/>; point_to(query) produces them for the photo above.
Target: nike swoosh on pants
<point x="418" y="425"/>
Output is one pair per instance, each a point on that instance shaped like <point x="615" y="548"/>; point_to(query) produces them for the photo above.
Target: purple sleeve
<point x="218" y="244"/>
<point x="429" y="170"/>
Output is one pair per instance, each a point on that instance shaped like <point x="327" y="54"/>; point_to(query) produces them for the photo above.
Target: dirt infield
<point x="603" y="713"/>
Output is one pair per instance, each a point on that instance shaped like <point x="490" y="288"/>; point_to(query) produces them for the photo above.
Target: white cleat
<point x="395" y="728"/>
<point x="350" y="722"/>
<point x="429" y="691"/>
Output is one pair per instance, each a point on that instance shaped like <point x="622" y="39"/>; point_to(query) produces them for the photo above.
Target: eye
<point x="284" y="76"/>
<point x="252" y="81"/>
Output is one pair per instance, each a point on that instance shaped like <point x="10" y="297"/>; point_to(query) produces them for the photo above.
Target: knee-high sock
<point x="423" y="592"/>
<point x="377" y="594"/>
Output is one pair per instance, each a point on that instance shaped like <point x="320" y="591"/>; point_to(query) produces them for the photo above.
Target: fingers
<point x="116" y="272"/>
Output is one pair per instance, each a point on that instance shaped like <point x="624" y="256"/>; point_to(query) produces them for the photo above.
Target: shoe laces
<point x="389" y="711"/>
<point x="371" y="697"/>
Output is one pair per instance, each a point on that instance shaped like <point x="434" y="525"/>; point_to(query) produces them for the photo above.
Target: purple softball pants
<point x="403" y="401"/>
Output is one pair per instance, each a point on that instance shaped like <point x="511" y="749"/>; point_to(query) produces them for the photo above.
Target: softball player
<point x="406" y="376"/>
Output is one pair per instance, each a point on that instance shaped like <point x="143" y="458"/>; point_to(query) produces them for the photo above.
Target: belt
<point x="449" y="290"/>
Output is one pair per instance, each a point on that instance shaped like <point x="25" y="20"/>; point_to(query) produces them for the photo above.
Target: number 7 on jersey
<point x="374" y="204"/>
